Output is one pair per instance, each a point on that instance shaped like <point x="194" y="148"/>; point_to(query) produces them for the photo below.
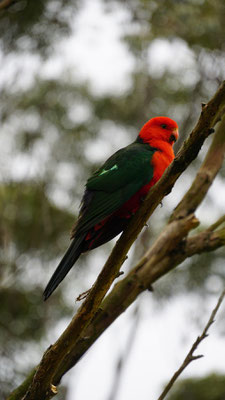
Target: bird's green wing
<point x="114" y="183"/>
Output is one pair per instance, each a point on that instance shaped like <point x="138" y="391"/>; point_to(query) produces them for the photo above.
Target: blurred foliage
<point x="31" y="227"/>
<point x="30" y="25"/>
<point x="211" y="387"/>
<point x="55" y="130"/>
<point x="28" y="214"/>
<point x="199" y="22"/>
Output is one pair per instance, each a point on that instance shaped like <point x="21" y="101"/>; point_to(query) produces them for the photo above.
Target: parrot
<point x="114" y="193"/>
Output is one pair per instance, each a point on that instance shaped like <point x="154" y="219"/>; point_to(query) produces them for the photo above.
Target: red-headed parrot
<point x="115" y="191"/>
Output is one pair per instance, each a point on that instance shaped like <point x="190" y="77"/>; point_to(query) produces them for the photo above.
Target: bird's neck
<point x="163" y="147"/>
<point x="161" y="158"/>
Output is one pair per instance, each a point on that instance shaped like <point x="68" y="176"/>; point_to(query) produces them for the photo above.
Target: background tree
<point x="211" y="387"/>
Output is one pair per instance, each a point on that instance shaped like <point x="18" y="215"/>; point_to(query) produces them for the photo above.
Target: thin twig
<point x="216" y="224"/>
<point x="190" y="356"/>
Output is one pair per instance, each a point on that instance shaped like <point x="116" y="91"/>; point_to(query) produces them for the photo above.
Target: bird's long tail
<point x="64" y="266"/>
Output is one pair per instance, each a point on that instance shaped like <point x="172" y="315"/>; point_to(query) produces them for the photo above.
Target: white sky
<point x="162" y="342"/>
<point x="95" y="50"/>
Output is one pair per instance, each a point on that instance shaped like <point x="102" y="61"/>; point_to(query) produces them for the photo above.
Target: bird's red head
<point x="159" y="129"/>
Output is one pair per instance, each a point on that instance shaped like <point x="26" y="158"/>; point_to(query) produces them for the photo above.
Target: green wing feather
<point x="114" y="183"/>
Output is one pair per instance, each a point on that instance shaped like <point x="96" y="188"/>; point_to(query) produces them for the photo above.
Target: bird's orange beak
<point x="176" y="133"/>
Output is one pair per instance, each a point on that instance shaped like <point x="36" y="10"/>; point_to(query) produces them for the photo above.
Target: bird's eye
<point x="164" y="126"/>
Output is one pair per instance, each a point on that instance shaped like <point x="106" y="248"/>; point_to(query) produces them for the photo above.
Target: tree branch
<point x="127" y="290"/>
<point x="171" y="249"/>
<point x="214" y="226"/>
<point x="60" y="357"/>
<point x="190" y="356"/>
<point x="205" y="176"/>
<point x="204" y="242"/>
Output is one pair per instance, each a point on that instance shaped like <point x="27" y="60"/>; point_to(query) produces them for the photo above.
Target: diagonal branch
<point x="168" y="251"/>
<point x="205" y="176"/>
<point x="57" y="357"/>
<point x="127" y="290"/>
<point x="218" y="223"/>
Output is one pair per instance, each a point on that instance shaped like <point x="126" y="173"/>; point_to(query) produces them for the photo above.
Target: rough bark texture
<point x="170" y="249"/>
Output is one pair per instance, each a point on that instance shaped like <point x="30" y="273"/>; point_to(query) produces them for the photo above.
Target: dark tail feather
<point x="64" y="266"/>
